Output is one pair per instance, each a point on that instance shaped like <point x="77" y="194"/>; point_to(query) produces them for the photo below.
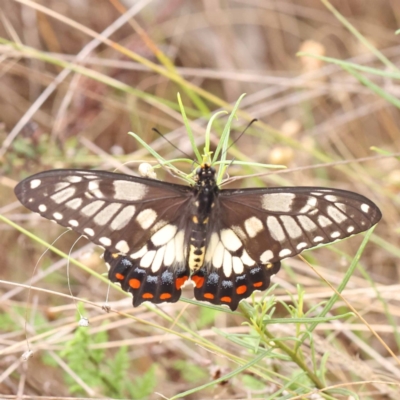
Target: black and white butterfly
<point x="157" y="235"/>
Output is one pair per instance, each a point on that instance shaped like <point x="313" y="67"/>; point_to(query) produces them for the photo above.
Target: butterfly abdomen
<point x="204" y="197"/>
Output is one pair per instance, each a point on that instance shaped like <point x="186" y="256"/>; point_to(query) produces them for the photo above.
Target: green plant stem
<point x="266" y="337"/>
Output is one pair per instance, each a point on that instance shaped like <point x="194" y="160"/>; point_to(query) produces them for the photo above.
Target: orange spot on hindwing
<point x="134" y="283"/>
<point x="198" y="281"/>
<point x="226" y="299"/>
<point x="165" y="296"/>
<point x="119" y="276"/>
<point x="209" y="296"/>
<point x="241" y="289"/>
<point x="180" y="281"/>
<point x="147" y="295"/>
<point x="257" y="284"/>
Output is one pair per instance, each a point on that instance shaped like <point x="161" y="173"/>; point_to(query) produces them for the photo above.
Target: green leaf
<point x="189" y="371"/>
<point x="144" y="385"/>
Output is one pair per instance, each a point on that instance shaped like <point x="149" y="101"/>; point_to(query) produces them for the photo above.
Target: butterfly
<point x="158" y="235"/>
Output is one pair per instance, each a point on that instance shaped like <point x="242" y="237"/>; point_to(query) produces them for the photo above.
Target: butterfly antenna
<point x="175" y="147"/>
<point x="244" y="131"/>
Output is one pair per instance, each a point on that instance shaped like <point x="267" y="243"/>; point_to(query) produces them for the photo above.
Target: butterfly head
<point x="205" y="175"/>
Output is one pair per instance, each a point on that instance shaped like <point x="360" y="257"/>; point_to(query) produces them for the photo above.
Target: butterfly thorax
<point x="204" y="196"/>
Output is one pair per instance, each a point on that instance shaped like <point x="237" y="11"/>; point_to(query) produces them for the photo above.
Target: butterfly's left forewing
<point x="276" y="223"/>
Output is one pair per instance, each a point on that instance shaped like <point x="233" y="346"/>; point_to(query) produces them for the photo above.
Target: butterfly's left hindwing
<point x="163" y="285"/>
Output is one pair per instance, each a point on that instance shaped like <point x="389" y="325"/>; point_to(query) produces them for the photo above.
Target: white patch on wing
<point x="105" y="241"/>
<point x="266" y="256"/>
<point x="365" y="208"/>
<point x="140" y="253"/>
<point x="323" y="221"/>
<point x="60" y="185"/>
<point x="88" y="196"/>
<point x="73" y="222"/>
<point x="63" y="195"/>
<point x="275" y="229"/>
<point x="306" y="223"/>
<point x="285" y="252"/>
<point x="310" y="204"/>
<point x="89" y="231"/>
<point x="94" y="189"/>
<point x="293" y="230"/>
<point x="57" y="216"/>
<point x="146" y="218"/>
<point x="214" y="240"/>
<point x="158" y="225"/>
<point x="237" y="265"/>
<point x="35" y="183"/>
<point x="335" y="214"/>
<point x="123" y="218"/>
<point x="230" y="240"/>
<point x="131" y="191"/>
<point x="169" y="255"/>
<point x="42" y="208"/>
<point x="164" y="235"/>
<point x="227" y="264"/>
<point x="107" y="213"/>
<point x="93" y="185"/>
<point x="158" y="259"/>
<point x="318" y="239"/>
<point x="335" y="234"/>
<point x="277" y="202"/>
<point x="350" y="229"/>
<point x="246" y="259"/>
<point x="331" y="197"/>
<point x="253" y="226"/>
<point x="74" y="204"/>
<point x="341" y="206"/>
<point x="147" y="259"/>
<point x="92" y="208"/>
<point x="122" y="246"/>
<point x="73" y="178"/>
<point x="301" y="245"/>
<point x="218" y="255"/>
<point x="239" y="232"/>
<point x="179" y="249"/>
